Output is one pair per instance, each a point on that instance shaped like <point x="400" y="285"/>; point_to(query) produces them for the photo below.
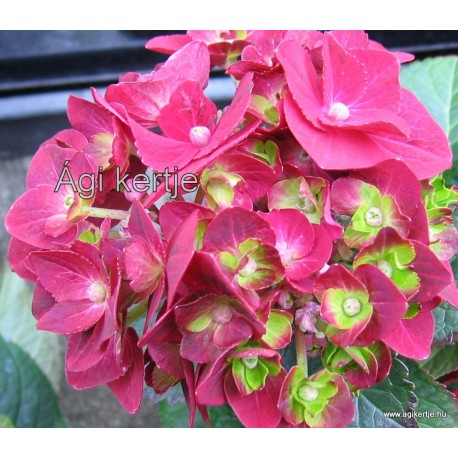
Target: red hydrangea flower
<point x="44" y="218"/>
<point x="144" y="96"/>
<point x="322" y="401"/>
<point x="361" y="307"/>
<point x="357" y="115"/>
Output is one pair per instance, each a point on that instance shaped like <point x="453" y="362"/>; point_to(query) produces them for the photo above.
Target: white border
<point x="204" y="14"/>
<point x="219" y="443"/>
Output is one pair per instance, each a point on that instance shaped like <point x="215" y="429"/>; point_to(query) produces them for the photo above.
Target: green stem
<point x="105" y="213"/>
<point x="301" y="350"/>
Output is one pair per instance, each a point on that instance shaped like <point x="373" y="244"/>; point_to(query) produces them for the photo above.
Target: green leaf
<point x="442" y="361"/>
<point x="5" y="422"/>
<point x="17" y="325"/>
<point x="433" y="399"/>
<point x="389" y="404"/>
<point x="177" y="416"/>
<point x="223" y="417"/>
<point x="26" y="395"/>
<point x="435" y="83"/>
<point x="446" y="322"/>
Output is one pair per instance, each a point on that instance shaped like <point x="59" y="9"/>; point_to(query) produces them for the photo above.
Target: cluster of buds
<point x="308" y="215"/>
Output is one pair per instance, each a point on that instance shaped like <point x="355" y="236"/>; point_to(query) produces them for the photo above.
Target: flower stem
<point x="200" y="196"/>
<point x="95" y="212"/>
<point x="301" y="351"/>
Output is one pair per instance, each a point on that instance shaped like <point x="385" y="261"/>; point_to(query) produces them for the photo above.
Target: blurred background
<point x="38" y="71"/>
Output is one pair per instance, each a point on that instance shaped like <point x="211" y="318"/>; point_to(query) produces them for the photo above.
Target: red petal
<point x="188" y="107"/>
<point x="302" y="81"/>
<point x="71" y="316"/>
<point x="389" y="304"/>
<point x="28" y="216"/>
<point x="172" y="215"/>
<point x="179" y="254"/>
<point x="210" y="383"/>
<point x="129" y="387"/>
<point x="66" y="275"/>
<point x="412" y="338"/>
<point x="258" y="409"/>
<point x="434" y="276"/>
<point x="88" y="118"/>
<point x="234" y="226"/>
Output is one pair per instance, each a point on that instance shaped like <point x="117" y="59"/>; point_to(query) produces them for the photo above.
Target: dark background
<point x="38" y="69"/>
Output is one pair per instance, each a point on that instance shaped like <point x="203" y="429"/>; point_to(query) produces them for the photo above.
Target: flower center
<point x="250" y="268"/>
<point x="385" y="267"/>
<point x="307" y="393"/>
<point x="222" y="314"/>
<point x="307" y="205"/>
<point x="351" y="306"/>
<point x="250" y="362"/>
<point x="285" y="253"/>
<point x="97" y="292"/>
<point x="374" y="217"/>
<point x="199" y="135"/>
<point x="339" y="112"/>
<point x="69" y="200"/>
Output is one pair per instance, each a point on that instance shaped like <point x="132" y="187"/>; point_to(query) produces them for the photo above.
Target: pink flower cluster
<point x="321" y="223"/>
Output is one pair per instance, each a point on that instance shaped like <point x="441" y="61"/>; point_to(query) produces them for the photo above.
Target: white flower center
<point x="351" y="306"/>
<point x="374" y="217"/>
<point x="308" y="393"/>
<point x="222" y="314"/>
<point x="250" y="268"/>
<point x="199" y="135"/>
<point x="250" y="362"/>
<point x="339" y="112"/>
<point x="97" y="292"/>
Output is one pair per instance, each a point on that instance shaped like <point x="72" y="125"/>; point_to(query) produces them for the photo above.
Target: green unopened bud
<point x="374" y="217"/>
<point x="308" y="393"/>
<point x="250" y="362"/>
<point x="351" y="306"/>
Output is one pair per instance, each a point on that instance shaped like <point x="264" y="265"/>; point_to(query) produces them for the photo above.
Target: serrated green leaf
<point x="433" y="399"/>
<point x="389" y="404"/>
<point x="176" y="415"/>
<point x="435" y="82"/>
<point x="17" y="325"/>
<point x="446" y="323"/>
<point x="5" y="422"/>
<point x="442" y="361"/>
<point x="26" y="395"/>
